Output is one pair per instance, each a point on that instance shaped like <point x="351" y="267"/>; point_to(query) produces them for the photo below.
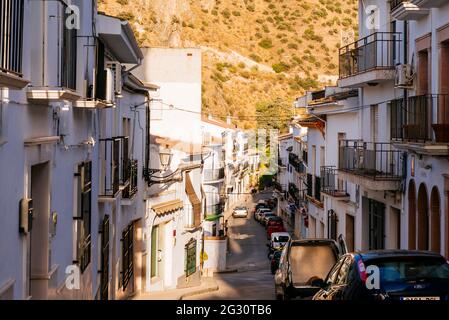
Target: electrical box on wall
<point x="25" y="215"/>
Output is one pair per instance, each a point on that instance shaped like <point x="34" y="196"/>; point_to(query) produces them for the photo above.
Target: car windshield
<point x="240" y="208"/>
<point x="281" y="239"/>
<point x="410" y="269"/>
<point x="267" y="215"/>
<point x="311" y="262"/>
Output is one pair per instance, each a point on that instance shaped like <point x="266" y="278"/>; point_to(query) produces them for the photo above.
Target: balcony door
<point x="376" y="220"/>
<point x="38" y="240"/>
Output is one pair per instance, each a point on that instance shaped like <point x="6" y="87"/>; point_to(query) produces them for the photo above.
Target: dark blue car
<point x="387" y="275"/>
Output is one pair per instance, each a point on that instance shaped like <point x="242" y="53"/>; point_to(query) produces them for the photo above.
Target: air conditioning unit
<point x="114" y="80"/>
<point x="404" y="76"/>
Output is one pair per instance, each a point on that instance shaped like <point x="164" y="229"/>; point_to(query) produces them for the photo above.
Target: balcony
<point x="296" y="163"/>
<point x="375" y="166"/>
<point x="65" y="87"/>
<point x="213" y="175"/>
<point x="109" y="168"/>
<point x="11" y="44"/>
<point x="407" y="10"/>
<point x="309" y="185"/>
<point x="214" y="209"/>
<point x="331" y="185"/>
<point x="282" y="162"/>
<point x="421" y="124"/>
<point x="370" y="60"/>
<point x="428" y="3"/>
<point x="130" y="189"/>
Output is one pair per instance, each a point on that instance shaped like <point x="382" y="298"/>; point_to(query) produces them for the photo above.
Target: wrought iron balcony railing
<point x="318" y="188"/>
<point x="377" y="161"/>
<point x="84" y="253"/>
<point x="420" y="118"/>
<point x="296" y="163"/>
<point x="330" y="184"/>
<point x="109" y="167"/>
<point x="213" y="174"/>
<point x="11" y="36"/>
<point x="395" y="3"/>
<point x="131" y="189"/>
<point x="310" y="185"/>
<point x="379" y="50"/>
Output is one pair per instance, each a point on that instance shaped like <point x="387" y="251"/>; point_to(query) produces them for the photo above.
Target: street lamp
<point x="165" y="158"/>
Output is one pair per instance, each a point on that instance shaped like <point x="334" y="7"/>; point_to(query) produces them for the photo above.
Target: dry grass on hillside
<point x="254" y="51"/>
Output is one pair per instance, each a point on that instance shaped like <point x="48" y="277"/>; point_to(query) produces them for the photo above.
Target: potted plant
<point x="441" y="132"/>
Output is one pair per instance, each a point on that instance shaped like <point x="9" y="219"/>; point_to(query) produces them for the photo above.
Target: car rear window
<point x="410" y="268"/>
<point x="281" y="239"/>
<point x="309" y="262"/>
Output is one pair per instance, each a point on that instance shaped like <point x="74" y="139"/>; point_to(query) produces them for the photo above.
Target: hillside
<point x="255" y="52"/>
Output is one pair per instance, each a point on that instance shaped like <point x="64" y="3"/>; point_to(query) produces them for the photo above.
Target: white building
<point x="65" y="90"/>
<point x="390" y="190"/>
<point x="331" y="201"/>
<point x="419" y="122"/>
<point x="174" y="201"/>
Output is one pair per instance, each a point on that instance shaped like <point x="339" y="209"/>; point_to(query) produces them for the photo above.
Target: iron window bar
<point x="11" y="36"/>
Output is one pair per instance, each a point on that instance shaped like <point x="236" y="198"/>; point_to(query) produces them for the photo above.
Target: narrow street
<point x="249" y="277"/>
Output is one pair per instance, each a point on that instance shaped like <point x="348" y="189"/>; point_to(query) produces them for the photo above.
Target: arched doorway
<point x="411" y="215"/>
<point x="423" y="218"/>
<point x="435" y="227"/>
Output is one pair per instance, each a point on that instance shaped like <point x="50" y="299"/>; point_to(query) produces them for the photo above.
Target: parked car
<point x="402" y="275"/>
<point x="274" y="264"/>
<point x="259" y="206"/>
<point x="259" y="213"/>
<point x="267" y="216"/>
<point x="240" y="212"/>
<point x="303" y="263"/>
<point x="274" y="224"/>
<point x="277" y="242"/>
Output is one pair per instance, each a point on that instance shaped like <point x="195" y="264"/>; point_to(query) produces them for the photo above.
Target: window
<point x="11" y="36"/>
<point x="127" y="254"/>
<point x="154" y="251"/>
<point x="376" y="225"/>
<point x="83" y="218"/>
<point x="190" y="257"/>
<point x="68" y="52"/>
<point x="375" y="123"/>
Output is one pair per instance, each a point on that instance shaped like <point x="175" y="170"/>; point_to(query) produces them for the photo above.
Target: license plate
<point x="420" y="298"/>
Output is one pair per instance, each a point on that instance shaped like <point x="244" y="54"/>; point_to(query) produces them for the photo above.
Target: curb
<point x="199" y="291"/>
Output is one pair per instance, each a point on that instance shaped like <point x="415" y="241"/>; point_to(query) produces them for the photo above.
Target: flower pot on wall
<point x="441" y="132"/>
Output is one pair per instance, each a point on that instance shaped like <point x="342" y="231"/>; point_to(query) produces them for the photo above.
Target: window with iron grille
<point x="11" y="36"/>
<point x="190" y="257"/>
<point x="68" y="52"/>
<point x="83" y="217"/>
<point x="127" y="255"/>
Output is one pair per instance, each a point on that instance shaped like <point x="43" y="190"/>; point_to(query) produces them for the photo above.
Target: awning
<point x="190" y="191"/>
<point x="166" y="207"/>
<point x="213" y="217"/>
<point x="194" y="200"/>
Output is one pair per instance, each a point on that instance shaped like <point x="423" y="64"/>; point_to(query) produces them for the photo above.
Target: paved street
<point x="248" y="255"/>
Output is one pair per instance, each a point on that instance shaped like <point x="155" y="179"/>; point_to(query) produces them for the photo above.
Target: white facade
<point x="52" y="125"/>
<point x="174" y="203"/>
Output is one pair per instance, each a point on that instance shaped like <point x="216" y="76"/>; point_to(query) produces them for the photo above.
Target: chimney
<point x="228" y="120"/>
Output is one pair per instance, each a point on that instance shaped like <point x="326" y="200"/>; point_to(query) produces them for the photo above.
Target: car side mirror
<point x="318" y="283"/>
